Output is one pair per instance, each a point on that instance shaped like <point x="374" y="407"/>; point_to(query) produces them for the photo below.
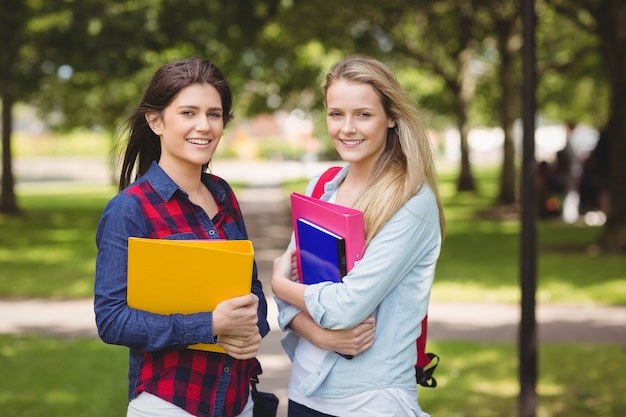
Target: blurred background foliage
<point x="85" y="64"/>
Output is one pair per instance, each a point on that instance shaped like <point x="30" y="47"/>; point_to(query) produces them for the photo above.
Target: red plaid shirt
<point x="203" y="383"/>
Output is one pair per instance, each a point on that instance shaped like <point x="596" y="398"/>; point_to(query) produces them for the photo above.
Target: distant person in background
<point x="166" y="193"/>
<point x="548" y="190"/>
<point x="570" y="168"/>
<point x="376" y="313"/>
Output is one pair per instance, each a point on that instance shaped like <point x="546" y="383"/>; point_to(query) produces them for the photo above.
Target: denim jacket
<point x="392" y="281"/>
<point x="139" y="330"/>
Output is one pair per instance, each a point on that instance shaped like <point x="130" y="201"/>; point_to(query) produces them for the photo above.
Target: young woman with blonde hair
<point x="375" y="314"/>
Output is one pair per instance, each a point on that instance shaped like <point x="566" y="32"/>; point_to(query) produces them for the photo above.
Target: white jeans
<point x="148" y="405"/>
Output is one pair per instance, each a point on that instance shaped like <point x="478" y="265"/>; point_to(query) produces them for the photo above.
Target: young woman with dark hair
<point x="167" y="193"/>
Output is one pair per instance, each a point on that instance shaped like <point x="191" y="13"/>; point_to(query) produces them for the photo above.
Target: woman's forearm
<point x="290" y="292"/>
<point x="348" y="342"/>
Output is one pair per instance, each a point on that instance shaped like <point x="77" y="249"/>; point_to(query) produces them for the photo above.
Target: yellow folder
<point x="187" y="276"/>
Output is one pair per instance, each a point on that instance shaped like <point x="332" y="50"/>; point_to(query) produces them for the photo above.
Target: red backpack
<point x="426" y="362"/>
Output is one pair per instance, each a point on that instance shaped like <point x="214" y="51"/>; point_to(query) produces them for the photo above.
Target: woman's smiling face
<point x="190" y="127"/>
<point x="357" y="122"/>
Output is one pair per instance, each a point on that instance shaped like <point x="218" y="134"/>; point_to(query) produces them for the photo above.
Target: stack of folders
<point x="187" y="276"/>
<point x="329" y="238"/>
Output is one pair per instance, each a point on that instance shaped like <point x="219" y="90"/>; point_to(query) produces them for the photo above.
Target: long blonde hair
<point x="407" y="161"/>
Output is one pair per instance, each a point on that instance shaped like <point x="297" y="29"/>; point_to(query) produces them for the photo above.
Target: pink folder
<point x="344" y="221"/>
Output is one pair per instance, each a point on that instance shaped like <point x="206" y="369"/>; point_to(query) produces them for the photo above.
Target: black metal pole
<point x="528" y="256"/>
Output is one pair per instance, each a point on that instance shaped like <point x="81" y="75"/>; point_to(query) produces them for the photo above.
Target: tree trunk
<point x="8" y="202"/>
<point x="465" y="181"/>
<point x="463" y="96"/>
<point x="509" y="111"/>
<point x="613" y="237"/>
<point x="611" y="21"/>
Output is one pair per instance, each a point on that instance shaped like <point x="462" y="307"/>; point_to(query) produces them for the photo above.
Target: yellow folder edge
<point x="187" y="276"/>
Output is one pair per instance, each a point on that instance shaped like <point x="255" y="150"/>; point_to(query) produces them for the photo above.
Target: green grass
<point x="480" y="380"/>
<point x="480" y="256"/>
<point x="51" y="377"/>
<point x="49" y="250"/>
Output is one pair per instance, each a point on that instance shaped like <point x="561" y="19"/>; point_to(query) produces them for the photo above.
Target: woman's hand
<point x="235" y="323"/>
<point x="286" y="266"/>
<point x="347" y="342"/>
<point x="352" y="341"/>
<point x="236" y="316"/>
<point x="240" y="347"/>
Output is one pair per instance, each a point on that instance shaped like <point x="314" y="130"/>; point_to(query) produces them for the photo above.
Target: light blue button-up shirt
<point x="392" y="281"/>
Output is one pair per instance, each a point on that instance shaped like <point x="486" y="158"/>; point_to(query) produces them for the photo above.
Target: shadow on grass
<point x="480" y="380"/>
<point x="53" y="377"/>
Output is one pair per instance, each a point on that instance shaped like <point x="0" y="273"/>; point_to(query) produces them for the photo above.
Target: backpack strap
<point x="426" y="362"/>
<point x="326" y="176"/>
<point x="422" y="360"/>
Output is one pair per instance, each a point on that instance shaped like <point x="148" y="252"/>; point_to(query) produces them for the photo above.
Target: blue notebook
<point x="322" y="253"/>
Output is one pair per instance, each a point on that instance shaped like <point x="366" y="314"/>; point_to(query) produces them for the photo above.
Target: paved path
<point x="266" y="212"/>
<point x="447" y="321"/>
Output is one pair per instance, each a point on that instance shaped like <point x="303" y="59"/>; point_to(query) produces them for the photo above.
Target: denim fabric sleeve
<point x="257" y="289"/>
<point x="407" y="247"/>
<point x="117" y="323"/>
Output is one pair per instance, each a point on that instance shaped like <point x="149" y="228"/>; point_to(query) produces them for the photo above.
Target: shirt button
<point x="226" y="369"/>
<point x="211" y="232"/>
